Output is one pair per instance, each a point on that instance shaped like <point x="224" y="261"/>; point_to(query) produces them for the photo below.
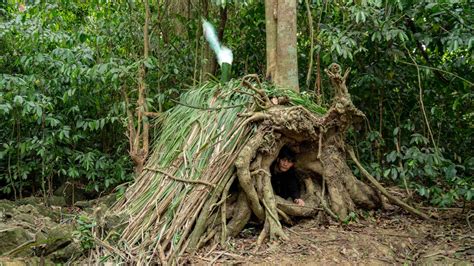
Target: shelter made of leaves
<point x="209" y="172"/>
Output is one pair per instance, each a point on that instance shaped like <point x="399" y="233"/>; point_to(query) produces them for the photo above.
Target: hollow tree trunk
<point x="319" y="142"/>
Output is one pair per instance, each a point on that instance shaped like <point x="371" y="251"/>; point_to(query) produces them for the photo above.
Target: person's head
<point x="285" y="160"/>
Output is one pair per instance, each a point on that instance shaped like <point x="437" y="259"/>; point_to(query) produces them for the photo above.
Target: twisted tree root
<point x="392" y="198"/>
<point x="275" y="228"/>
<point x="242" y="165"/>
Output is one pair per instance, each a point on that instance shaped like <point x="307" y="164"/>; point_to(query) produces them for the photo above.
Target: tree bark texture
<point x="281" y="27"/>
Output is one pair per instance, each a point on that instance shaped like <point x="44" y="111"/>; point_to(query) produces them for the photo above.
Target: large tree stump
<point x="319" y="142"/>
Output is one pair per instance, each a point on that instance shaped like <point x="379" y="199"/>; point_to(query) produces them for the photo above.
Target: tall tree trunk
<point x="139" y="134"/>
<point x="282" y="63"/>
<point x="222" y="23"/>
<point x="287" y="65"/>
<point x="179" y="11"/>
<point x="209" y="63"/>
<point x="271" y="37"/>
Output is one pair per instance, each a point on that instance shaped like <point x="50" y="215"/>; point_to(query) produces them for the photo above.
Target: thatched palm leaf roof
<point x="191" y="163"/>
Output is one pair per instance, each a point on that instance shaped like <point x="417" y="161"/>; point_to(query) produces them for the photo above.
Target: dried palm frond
<point x="191" y="163"/>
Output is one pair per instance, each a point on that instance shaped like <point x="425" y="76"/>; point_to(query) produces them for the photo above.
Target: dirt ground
<point x="388" y="237"/>
<point x="376" y="237"/>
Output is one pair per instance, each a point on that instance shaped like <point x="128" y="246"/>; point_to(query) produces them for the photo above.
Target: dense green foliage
<point x="399" y="50"/>
<point x="60" y="103"/>
<point x="64" y="69"/>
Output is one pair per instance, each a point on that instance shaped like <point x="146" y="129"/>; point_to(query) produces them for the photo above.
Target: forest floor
<point x="374" y="237"/>
<point x="382" y="237"/>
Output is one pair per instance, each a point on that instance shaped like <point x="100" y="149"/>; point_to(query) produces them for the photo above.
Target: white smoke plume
<point x="224" y="54"/>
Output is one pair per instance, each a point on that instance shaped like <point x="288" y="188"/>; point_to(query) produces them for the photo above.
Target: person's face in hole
<point x="284" y="164"/>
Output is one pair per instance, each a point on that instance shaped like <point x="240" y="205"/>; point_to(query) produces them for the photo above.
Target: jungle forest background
<point x="72" y="73"/>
